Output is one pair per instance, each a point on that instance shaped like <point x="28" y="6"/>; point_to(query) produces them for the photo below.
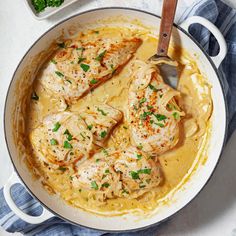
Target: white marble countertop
<point x="213" y="212"/>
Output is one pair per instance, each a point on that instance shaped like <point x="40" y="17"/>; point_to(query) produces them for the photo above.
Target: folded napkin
<point x="224" y="18"/>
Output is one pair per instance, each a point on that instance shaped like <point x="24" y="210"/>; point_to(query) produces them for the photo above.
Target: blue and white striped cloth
<point x="224" y="18"/>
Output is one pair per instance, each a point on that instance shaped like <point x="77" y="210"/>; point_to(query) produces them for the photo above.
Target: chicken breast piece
<point x="62" y="139"/>
<point x="66" y="137"/>
<point x="153" y="113"/>
<point x="101" y="120"/>
<point x="127" y="173"/>
<point x="80" y="67"/>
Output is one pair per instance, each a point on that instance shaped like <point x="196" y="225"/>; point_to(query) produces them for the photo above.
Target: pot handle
<point x="214" y="30"/>
<point x="27" y="218"/>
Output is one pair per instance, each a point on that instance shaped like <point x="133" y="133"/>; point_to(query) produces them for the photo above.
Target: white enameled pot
<point x="55" y="207"/>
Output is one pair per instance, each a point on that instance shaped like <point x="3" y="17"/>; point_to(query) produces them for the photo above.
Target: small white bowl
<point x="48" y="10"/>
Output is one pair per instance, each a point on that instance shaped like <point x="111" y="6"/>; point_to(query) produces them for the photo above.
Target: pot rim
<point x="125" y="9"/>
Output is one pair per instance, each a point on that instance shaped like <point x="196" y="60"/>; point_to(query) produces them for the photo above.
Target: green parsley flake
<point x="103" y="134"/>
<point x="68" y="81"/>
<point x="160" y="124"/>
<point x="80" y="59"/>
<point x="107" y="171"/>
<point x="94" y="185"/>
<point x="142" y="101"/>
<point x="82" y="136"/>
<point x="84" y="67"/>
<point x="93" y="81"/>
<point x="53" y="61"/>
<point x="59" y="74"/>
<point x="140" y="146"/>
<point x="56" y="127"/>
<point x="67" y="145"/>
<point x="106" y="185"/>
<point x="100" y="56"/>
<point x="53" y="141"/>
<point x="34" y="96"/>
<point x="61" y="45"/>
<point x="176" y="115"/>
<point x="90" y="127"/>
<point x="97" y="160"/>
<point x="144" y="171"/>
<point x="105" y="151"/>
<point x="102" y="112"/>
<point x="145" y="115"/>
<point x="152" y="87"/>
<point x="62" y="168"/>
<point x="160" y="117"/>
<point x="139" y="156"/>
<point x="69" y="136"/>
<point x="134" y="175"/>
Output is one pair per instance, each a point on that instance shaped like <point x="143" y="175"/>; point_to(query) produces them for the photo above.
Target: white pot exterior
<point x="182" y="196"/>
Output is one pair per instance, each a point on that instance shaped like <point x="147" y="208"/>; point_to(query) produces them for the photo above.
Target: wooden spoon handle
<point x="167" y="19"/>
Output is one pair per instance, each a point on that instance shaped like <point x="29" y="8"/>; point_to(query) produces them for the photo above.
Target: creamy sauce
<point x="196" y="102"/>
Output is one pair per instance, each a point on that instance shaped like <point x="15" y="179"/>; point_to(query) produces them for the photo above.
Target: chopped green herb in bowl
<point x="40" y="5"/>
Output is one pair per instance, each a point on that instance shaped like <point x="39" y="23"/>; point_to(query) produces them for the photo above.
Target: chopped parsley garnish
<point x="80" y="49"/>
<point x="160" y="124"/>
<point x="144" y="171"/>
<point x="103" y="134"/>
<point x="96" y="31"/>
<point x="125" y="191"/>
<point x="82" y="136"/>
<point x="149" y="107"/>
<point x="160" y="117"/>
<point x="152" y="87"/>
<point x="84" y="67"/>
<point x="176" y="115"/>
<point x="69" y="136"/>
<point x="61" y="45"/>
<point x="68" y="81"/>
<point x="90" y="127"/>
<point x="94" y="185"/>
<point x="56" y="127"/>
<point x="62" y="168"/>
<point x="39" y="5"/>
<point x="53" y="61"/>
<point x="134" y="175"/>
<point x="97" y="160"/>
<point x="142" y="186"/>
<point x="67" y="145"/>
<point x="59" y="74"/>
<point x="135" y="108"/>
<point x="105" y="151"/>
<point x="34" y="96"/>
<point x="93" y="81"/>
<point x="125" y="127"/>
<point x="145" y="115"/>
<point x="106" y="185"/>
<point x="140" y="146"/>
<point x="71" y="177"/>
<point x="142" y="101"/>
<point x="100" y="56"/>
<point x="53" y="141"/>
<point x="171" y="106"/>
<point x="107" y="171"/>
<point x="102" y="112"/>
<point x="139" y="156"/>
<point x="54" y="3"/>
<point x="80" y="59"/>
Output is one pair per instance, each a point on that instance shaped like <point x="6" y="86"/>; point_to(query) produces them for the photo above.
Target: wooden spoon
<point x="167" y="66"/>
